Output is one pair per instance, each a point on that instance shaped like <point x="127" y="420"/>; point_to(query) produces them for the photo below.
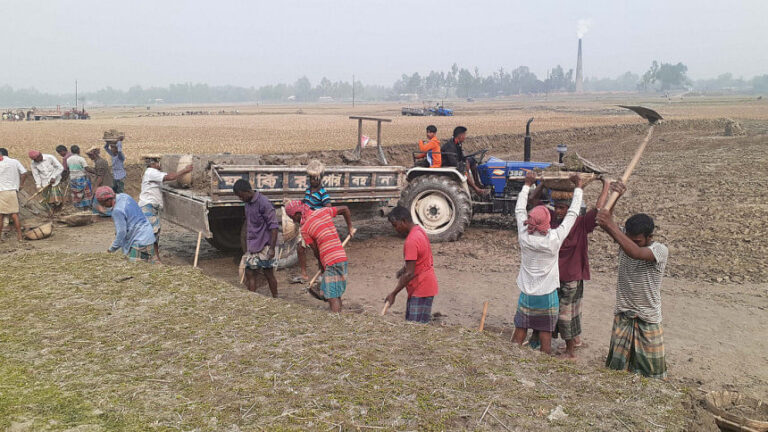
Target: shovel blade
<point x="652" y="116"/>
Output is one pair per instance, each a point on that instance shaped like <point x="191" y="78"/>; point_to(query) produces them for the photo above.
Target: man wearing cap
<point x="115" y="150"/>
<point x="46" y="171"/>
<point x="151" y="197"/>
<point x="133" y="233"/>
<point x="573" y="263"/>
<point x="12" y="178"/>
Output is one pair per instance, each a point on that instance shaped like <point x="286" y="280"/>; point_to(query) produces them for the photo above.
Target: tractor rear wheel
<point x="440" y="205"/>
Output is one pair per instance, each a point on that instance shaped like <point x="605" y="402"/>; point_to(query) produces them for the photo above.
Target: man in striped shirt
<point x="319" y="232"/>
<point x="637" y="338"/>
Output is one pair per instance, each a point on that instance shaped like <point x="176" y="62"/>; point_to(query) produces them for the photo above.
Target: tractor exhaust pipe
<point x="527" y="142"/>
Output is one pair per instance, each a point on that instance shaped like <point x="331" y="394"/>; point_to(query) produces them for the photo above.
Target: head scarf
<point x="104" y="193"/>
<point x="296" y="206"/>
<point x="538" y="220"/>
<point x="34" y="154"/>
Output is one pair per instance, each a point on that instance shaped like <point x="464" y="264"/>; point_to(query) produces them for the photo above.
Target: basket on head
<point x="560" y="180"/>
<point x="113" y="135"/>
<point x="38" y="232"/>
<point x="315" y="168"/>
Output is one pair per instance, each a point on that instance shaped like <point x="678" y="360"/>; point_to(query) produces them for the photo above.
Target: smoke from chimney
<point x="579" y="72"/>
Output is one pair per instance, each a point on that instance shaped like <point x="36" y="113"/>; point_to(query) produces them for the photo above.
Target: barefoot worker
<point x="418" y="273"/>
<point x="151" y="197"/>
<point x="46" y="171"/>
<point x="12" y="178"/>
<point x="539" y="276"/>
<point x="319" y="232"/>
<point x="133" y="233"/>
<point x="573" y="266"/>
<point x="315" y="197"/>
<point x="637" y="337"/>
<point x="261" y="235"/>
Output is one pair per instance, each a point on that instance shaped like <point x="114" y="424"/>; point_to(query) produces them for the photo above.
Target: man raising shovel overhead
<point x="319" y="232"/>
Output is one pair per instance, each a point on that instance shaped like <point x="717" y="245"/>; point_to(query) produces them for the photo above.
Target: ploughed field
<point x="299" y="128"/>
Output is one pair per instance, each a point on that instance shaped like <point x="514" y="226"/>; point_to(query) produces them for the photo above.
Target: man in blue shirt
<point x="115" y="149"/>
<point x="133" y="233"/>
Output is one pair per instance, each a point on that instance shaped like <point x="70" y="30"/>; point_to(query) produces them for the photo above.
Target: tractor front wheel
<point x="440" y="205"/>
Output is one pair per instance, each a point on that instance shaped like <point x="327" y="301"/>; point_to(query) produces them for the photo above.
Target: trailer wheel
<point x="440" y="205"/>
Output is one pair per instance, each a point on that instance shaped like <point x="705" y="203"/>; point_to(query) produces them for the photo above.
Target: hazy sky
<point x="157" y="42"/>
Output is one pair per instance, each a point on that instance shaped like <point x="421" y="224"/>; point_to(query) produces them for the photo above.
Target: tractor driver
<point x="453" y="156"/>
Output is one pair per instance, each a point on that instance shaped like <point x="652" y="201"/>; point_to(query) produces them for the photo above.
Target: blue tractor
<point x="442" y="203"/>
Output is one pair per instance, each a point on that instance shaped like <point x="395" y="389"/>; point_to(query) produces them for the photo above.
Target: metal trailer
<point x="219" y="215"/>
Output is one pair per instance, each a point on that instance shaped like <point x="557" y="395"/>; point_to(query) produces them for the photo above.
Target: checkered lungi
<point x="537" y="312"/>
<point x="637" y="346"/>
<point x="142" y="253"/>
<point x="53" y="195"/>
<point x="569" y="320"/>
<point x="259" y="260"/>
<point x="152" y="213"/>
<point x="334" y="281"/>
<point x="419" y="309"/>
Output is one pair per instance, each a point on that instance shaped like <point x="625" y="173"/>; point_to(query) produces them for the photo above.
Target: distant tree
<point x="760" y="84"/>
<point x="668" y="75"/>
<point x="302" y="89"/>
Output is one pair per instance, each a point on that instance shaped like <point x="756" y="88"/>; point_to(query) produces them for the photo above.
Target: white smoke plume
<point x="583" y="27"/>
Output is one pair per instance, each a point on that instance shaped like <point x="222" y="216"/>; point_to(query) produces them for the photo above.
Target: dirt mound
<point x="733" y="128"/>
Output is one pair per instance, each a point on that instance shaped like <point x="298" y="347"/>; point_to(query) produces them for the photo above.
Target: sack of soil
<point x="38" y="232"/>
<point x="78" y="219"/>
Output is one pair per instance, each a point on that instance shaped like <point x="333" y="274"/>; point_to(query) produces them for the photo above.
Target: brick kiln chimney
<point x="579" y="76"/>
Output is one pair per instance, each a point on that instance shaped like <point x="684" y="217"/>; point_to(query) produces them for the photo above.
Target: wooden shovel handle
<point x="631" y="167"/>
<point x="386" y="307"/>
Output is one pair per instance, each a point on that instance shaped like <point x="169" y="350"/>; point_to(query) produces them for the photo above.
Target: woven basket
<point x="113" y="135"/>
<point x="78" y="219"/>
<point x="290" y="230"/>
<point x="719" y="402"/>
<point x="39" y="232"/>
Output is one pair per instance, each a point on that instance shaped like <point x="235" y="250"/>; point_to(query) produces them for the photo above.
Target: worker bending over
<point x="319" y="232"/>
<point x="133" y="233"/>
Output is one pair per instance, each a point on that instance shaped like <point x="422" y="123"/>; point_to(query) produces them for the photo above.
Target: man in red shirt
<point x="573" y="265"/>
<point x="418" y="273"/>
<point x="319" y="233"/>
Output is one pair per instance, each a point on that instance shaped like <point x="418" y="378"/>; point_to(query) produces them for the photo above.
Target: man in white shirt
<point x="538" y="306"/>
<point x="12" y="178"/>
<point x="151" y="197"/>
<point x="47" y="170"/>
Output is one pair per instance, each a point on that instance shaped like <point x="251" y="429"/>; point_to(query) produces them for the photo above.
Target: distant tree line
<point x="454" y="83"/>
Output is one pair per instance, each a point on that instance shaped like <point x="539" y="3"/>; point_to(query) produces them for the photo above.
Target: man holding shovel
<point x="319" y="232"/>
<point x="261" y="238"/>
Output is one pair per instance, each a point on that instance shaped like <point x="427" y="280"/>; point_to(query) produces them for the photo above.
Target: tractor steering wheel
<point x="479" y="152"/>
